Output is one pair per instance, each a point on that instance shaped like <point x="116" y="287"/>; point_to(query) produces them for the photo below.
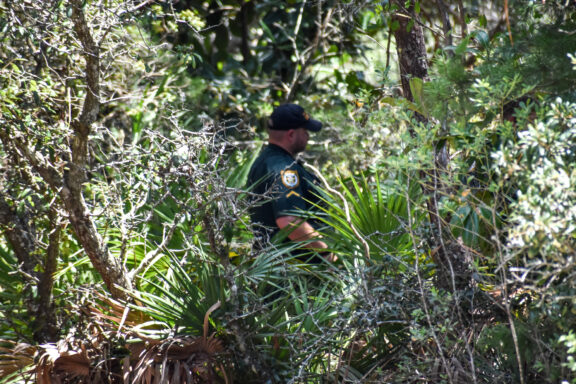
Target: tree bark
<point x="446" y="26"/>
<point x="67" y="180"/>
<point x="112" y="271"/>
<point x="413" y="63"/>
<point x="411" y="49"/>
<point x="20" y="235"/>
<point x="46" y="328"/>
<point x="452" y="268"/>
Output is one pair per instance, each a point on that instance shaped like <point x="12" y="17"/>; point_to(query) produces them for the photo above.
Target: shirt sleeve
<point x="288" y="191"/>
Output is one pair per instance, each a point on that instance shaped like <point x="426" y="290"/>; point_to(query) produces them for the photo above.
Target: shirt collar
<point x="279" y="149"/>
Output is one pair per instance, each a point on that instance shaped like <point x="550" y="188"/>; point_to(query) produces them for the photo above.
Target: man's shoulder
<point x="274" y="159"/>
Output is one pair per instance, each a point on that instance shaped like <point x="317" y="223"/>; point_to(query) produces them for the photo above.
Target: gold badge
<point x="290" y="178"/>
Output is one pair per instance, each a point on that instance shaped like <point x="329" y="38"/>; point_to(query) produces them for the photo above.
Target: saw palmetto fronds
<point x="186" y="360"/>
<point x="15" y="358"/>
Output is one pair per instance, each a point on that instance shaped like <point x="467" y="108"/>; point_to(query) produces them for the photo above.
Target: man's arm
<point x="301" y="230"/>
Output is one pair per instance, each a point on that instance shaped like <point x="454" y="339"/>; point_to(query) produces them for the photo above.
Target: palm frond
<point x="378" y="212"/>
<point x="182" y="297"/>
<point x="236" y="177"/>
<point x="16" y="359"/>
<point x="8" y="263"/>
<point x="182" y="360"/>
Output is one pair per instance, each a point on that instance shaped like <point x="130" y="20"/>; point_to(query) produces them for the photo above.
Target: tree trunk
<point x="446" y="26"/>
<point x="411" y="49"/>
<point x="112" y="271"/>
<point x="449" y="256"/>
<point x="68" y="181"/>
<point x="46" y="324"/>
<point x="22" y="237"/>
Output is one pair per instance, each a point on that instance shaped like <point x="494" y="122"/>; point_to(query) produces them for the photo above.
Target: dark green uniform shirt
<point x="284" y="186"/>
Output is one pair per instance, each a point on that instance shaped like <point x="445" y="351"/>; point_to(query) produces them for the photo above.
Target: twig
<point x="421" y="288"/>
<point x="152" y="255"/>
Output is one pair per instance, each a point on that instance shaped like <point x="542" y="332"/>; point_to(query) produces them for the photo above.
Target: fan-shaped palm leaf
<point x="378" y="213"/>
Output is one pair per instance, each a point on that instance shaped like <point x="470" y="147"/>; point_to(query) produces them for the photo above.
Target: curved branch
<point x="112" y="271"/>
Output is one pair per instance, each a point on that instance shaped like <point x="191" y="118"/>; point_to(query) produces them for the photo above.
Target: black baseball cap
<point x="292" y="116"/>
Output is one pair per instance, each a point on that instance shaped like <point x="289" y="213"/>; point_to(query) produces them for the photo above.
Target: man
<point x="284" y="184"/>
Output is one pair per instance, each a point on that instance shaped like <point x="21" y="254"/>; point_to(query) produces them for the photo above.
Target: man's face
<point x="300" y="140"/>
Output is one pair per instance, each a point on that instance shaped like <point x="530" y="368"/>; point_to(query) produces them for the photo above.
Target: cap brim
<point x="313" y="125"/>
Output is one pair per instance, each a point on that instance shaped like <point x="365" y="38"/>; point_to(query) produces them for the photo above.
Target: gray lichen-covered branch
<point x="65" y="172"/>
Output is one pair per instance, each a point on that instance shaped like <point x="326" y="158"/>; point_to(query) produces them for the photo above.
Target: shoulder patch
<point x="290" y="178"/>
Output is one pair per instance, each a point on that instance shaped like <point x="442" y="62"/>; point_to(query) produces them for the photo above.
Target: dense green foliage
<point x="170" y="126"/>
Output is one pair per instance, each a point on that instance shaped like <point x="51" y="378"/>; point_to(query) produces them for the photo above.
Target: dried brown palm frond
<point x="59" y="363"/>
<point x="88" y="354"/>
<point x="174" y="360"/>
<point x="90" y="358"/>
<point x="70" y="360"/>
<point x="181" y="360"/>
<point x="116" y="312"/>
<point x="15" y="357"/>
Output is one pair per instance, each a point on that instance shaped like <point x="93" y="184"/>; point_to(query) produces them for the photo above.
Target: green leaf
<point x="417" y="89"/>
<point x="483" y="21"/>
<point x="267" y="31"/>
